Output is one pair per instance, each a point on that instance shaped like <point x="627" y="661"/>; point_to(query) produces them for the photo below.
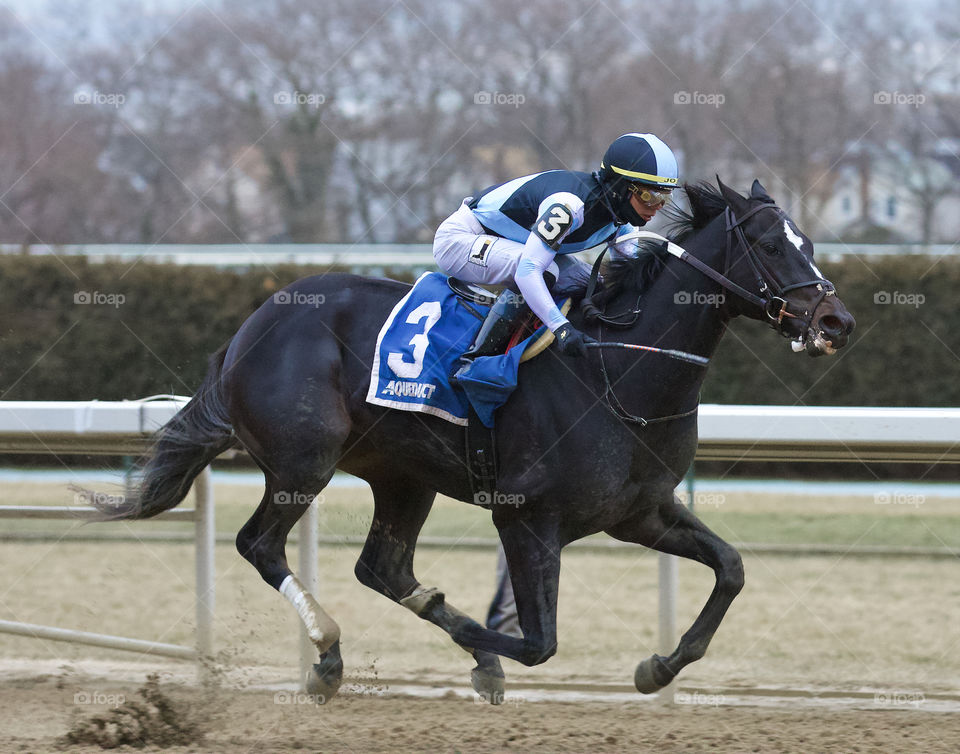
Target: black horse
<point x="587" y="445"/>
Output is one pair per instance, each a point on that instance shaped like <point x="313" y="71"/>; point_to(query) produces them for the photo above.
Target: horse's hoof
<point x="324" y="678"/>
<point x="652" y="675"/>
<point x="487" y="680"/>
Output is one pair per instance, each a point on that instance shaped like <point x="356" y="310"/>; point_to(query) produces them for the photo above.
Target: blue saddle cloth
<point x="419" y="348"/>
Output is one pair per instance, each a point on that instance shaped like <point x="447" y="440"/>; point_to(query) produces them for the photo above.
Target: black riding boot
<point x="502" y="319"/>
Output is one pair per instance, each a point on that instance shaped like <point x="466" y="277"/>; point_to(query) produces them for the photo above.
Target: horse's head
<point x="767" y="254"/>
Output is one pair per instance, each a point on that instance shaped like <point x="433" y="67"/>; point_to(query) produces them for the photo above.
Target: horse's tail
<point x="183" y="447"/>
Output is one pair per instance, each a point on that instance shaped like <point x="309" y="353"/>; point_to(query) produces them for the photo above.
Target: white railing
<point x="796" y="433"/>
<point x="114" y="428"/>
<point x="124" y="428"/>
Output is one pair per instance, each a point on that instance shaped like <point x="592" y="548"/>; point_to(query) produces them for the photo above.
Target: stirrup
<point x="471" y="292"/>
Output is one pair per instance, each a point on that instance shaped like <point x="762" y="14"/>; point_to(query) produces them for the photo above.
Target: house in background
<point x="890" y="196"/>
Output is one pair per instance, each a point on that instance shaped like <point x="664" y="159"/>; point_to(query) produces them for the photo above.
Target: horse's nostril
<point x="831" y="325"/>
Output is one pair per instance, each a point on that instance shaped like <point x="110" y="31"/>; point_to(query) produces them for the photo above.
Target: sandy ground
<point x="39" y="711"/>
<point x="807" y="621"/>
<point x="883" y="628"/>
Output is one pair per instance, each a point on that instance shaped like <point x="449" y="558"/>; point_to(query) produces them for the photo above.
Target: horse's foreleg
<point x="671" y="528"/>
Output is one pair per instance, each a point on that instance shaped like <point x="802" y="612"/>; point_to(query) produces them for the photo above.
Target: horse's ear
<point x="757" y="191"/>
<point x="736" y="202"/>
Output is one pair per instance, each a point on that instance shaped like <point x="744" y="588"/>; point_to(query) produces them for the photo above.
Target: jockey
<point x="518" y="233"/>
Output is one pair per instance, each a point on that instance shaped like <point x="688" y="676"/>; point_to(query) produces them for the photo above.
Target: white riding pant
<point x="465" y="251"/>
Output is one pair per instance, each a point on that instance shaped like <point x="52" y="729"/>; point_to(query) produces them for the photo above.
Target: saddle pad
<point x="419" y="348"/>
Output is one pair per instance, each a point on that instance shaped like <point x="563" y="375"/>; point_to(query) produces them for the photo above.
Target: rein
<point x="770" y="300"/>
<point x="617" y="321"/>
<point x="771" y="292"/>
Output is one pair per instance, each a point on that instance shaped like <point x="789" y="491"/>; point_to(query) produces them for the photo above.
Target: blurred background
<point x="140" y="128"/>
<point x="368" y="120"/>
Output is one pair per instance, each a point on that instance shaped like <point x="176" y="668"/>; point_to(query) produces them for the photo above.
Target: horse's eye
<point x="770" y="249"/>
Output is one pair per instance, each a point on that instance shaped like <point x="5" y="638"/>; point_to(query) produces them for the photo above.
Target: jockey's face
<point x="644" y="210"/>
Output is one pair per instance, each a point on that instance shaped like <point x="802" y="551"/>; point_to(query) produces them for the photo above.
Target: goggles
<point x="649" y="196"/>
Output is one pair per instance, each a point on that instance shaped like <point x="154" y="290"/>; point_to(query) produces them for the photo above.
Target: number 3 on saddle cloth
<point x="419" y="348"/>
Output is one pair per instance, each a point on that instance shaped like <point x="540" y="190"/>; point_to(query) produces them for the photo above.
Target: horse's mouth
<point x="814" y="342"/>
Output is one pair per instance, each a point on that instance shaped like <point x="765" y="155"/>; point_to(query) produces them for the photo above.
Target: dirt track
<point x="38" y="711"/>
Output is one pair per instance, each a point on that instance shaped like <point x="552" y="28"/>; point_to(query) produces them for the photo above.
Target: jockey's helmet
<point x="641" y="164"/>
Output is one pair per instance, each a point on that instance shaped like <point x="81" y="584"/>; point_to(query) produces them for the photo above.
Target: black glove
<point x="572" y="342"/>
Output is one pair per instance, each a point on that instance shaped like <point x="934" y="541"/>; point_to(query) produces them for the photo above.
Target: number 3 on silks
<point x="429" y="310"/>
<point x="553" y="224"/>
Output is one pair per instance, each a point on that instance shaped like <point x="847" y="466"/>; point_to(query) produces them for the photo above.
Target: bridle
<point x="772" y="292"/>
<point x="770" y="298"/>
<point x="771" y="295"/>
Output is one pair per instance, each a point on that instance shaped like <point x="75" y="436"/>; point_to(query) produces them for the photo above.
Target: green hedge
<point x="55" y="347"/>
<point x="905" y="350"/>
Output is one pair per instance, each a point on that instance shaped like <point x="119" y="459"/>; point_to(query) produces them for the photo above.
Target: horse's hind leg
<point x="262" y="541"/>
<point x="671" y="528"/>
<point x="386" y="564"/>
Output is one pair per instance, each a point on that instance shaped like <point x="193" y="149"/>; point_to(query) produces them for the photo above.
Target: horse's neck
<point x="681" y="310"/>
<point x="683" y="307"/>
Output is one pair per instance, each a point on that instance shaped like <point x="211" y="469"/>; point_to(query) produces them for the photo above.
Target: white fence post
<point x="308" y="552"/>
<point x="668" y="614"/>
<point x="205" y="531"/>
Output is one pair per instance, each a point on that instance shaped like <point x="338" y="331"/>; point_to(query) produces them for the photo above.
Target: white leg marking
<point x="321" y="628"/>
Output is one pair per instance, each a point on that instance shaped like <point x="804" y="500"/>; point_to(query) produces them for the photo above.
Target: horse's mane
<point x="636" y="273"/>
